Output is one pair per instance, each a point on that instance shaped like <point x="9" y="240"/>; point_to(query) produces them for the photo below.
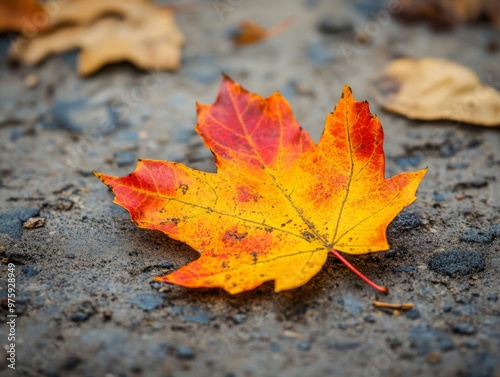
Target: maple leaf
<point x="278" y="203"/>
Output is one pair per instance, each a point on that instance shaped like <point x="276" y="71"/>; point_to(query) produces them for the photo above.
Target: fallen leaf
<point x="249" y="32"/>
<point x="444" y="14"/>
<point x="432" y="89"/>
<point x="145" y="35"/>
<point x="22" y="15"/>
<point x="278" y="203"/>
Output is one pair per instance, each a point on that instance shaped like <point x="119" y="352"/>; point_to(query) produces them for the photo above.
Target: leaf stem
<point x="353" y="269"/>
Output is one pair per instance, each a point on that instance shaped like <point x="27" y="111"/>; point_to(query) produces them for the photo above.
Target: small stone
<point x="238" y="319"/>
<point x="344" y="346"/>
<point x="34" y="222"/>
<point x="408" y="269"/>
<point x="413" y="314"/>
<point x="481" y="236"/>
<point x="191" y="313"/>
<point x="107" y="314"/>
<point x="30" y="271"/>
<point x="79" y="317"/>
<point x="405" y="162"/>
<point x="407" y="221"/>
<point x="303" y="346"/>
<point x="64" y="115"/>
<point x="369" y="318"/>
<point x="155" y="285"/>
<point x="426" y="339"/>
<point x="434" y="357"/>
<point x="439" y="197"/>
<point x="492" y="297"/>
<point x="125" y="158"/>
<point x="477" y="183"/>
<point x="457" y="262"/>
<point x="184" y="352"/>
<point x="334" y="24"/>
<point x="462" y="300"/>
<point x="464" y="329"/>
<point x="165" y="265"/>
<point x="146" y="301"/>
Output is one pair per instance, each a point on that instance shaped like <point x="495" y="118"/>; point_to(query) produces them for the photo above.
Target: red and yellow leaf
<point x="278" y="202"/>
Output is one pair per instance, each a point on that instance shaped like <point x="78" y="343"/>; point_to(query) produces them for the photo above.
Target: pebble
<point x="407" y="221"/>
<point x="333" y="24"/>
<point x="165" y="264"/>
<point x="79" y="317"/>
<point x="64" y="115"/>
<point x="369" y="318"/>
<point x="344" y="346"/>
<point x="303" y="346"/>
<point x="439" y="197"/>
<point x="408" y="269"/>
<point x="238" y="319"/>
<point x="426" y="339"/>
<point x="146" y="301"/>
<point x="191" y="313"/>
<point x="125" y="158"/>
<point x="405" y="162"/>
<point x="481" y="236"/>
<point x="477" y="183"/>
<point x="464" y="329"/>
<point x="413" y="314"/>
<point x="30" y="271"/>
<point x="184" y="352"/>
<point x="457" y="262"/>
<point x="434" y="357"/>
<point x="492" y="297"/>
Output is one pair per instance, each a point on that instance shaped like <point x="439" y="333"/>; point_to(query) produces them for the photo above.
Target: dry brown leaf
<point x="444" y="14"/>
<point x="18" y="15"/>
<point x="249" y="32"/>
<point x="85" y="11"/>
<point x="145" y="35"/>
<point x="432" y="89"/>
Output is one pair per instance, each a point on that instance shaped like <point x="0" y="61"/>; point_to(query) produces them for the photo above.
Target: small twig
<point x="389" y="305"/>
